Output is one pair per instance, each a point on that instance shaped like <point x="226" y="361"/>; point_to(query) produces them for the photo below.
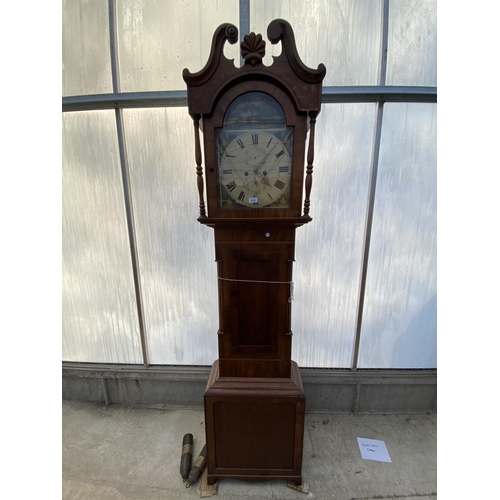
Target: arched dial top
<point x="254" y="154"/>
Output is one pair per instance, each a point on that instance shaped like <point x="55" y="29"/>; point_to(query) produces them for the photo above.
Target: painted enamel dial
<point x="255" y="169"/>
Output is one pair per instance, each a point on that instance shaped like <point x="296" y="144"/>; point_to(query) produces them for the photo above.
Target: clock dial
<point x="255" y="170"/>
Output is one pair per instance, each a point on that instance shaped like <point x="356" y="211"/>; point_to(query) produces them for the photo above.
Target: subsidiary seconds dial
<point x="255" y="169"/>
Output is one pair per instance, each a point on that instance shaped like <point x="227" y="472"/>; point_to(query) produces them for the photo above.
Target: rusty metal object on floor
<point x="198" y="467"/>
<point x="186" y="456"/>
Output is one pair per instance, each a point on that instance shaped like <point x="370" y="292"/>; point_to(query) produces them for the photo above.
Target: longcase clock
<point x="255" y="122"/>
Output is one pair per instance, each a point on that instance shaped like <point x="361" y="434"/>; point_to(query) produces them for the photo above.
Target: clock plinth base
<point x="254" y="427"/>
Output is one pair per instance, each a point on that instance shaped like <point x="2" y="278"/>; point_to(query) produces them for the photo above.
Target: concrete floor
<point x="117" y="453"/>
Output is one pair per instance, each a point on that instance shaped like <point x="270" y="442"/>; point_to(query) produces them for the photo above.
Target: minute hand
<point x="265" y="158"/>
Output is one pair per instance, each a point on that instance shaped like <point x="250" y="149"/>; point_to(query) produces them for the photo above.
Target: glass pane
<point x="86" y="67"/>
<point x="100" y="322"/>
<point x="254" y="151"/>
<point x="176" y="252"/>
<point x="412" y="54"/>
<point x="399" y="322"/>
<point x="157" y="39"/>
<point x="344" y="35"/>
<point x="329" y="249"/>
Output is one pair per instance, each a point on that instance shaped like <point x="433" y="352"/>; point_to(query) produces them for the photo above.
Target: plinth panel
<point x="254" y="435"/>
<point x="254" y="427"/>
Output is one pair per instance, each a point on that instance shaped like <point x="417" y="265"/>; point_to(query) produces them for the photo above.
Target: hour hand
<point x="265" y="181"/>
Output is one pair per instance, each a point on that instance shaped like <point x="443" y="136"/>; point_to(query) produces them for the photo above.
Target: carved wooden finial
<point x="253" y="49"/>
<point x="279" y="29"/>
<point x="224" y="32"/>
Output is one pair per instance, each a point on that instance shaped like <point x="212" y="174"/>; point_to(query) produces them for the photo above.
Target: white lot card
<point x="373" y="449"/>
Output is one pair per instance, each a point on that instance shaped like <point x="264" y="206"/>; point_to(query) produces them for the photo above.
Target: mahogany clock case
<point x="254" y="400"/>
